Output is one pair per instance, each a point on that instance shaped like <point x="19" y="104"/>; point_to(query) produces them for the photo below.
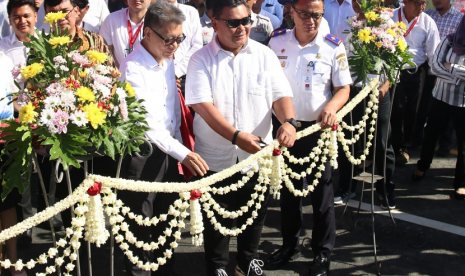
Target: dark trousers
<point x="159" y="167"/>
<point x="404" y="109"/>
<point x="382" y="139"/>
<point x="324" y="227"/>
<point x="427" y="93"/>
<point x="439" y="113"/>
<point x="216" y="245"/>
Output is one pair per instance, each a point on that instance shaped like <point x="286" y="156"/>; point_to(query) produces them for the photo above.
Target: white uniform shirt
<point x="97" y="13"/>
<point x="207" y="29"/>
<point x="156" y="84"/>
<point x="336" y="13"/>
<point x="275" y="21"/>
<point x="310" y="70"/>
<point x="324" y="27"/>
<point x="243" y="89"/>
<point x="273" y="7"/>
<point x="6" y="83"/>
<point x="115" y="32"/>
<point x="423" y="39"/>
<point x="261" y="28"/>
<point x="14" y="49"/>
<point x="193" y="42"/>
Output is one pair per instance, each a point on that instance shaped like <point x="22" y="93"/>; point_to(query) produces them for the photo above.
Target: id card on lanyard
<point x="132" y="37"/>
<point x="307" y="77"/>
<point x="411" y="26"/>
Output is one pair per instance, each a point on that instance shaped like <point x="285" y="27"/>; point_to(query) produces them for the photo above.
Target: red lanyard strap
<point x="411" y="26"/>
<point x="132" y="38"/>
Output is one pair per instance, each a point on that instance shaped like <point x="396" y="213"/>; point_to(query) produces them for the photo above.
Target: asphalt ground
<point x="428" y="241"/>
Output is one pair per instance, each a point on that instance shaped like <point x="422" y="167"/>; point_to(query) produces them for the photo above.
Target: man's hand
<point x="286" y="135"/>
<point x="327" y="117"/>
<point x="447" y="65"/>
<point x="195" y="164"/>
<point x="247" y="142"/>
<point x="178" y="84"/>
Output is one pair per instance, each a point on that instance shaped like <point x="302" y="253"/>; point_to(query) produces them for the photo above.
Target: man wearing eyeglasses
<point x="312" y="62"/>
<point x="233" y="84"/>
<point x="422" y="37"/>
<point x="150" y="70"/>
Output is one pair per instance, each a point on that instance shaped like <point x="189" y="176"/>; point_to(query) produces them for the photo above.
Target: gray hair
<point x="161" y="12"/>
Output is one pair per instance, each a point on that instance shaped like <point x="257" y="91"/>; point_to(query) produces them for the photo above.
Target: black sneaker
<point x="320" y="266"/>
<point x="254" y="269"/>
<point x="389" y="199"/>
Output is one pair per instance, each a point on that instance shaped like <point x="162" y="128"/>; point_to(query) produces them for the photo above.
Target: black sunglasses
<point x="307" y="15"/>
<point x="170" y="41"/>
<point x="234" y="23"/>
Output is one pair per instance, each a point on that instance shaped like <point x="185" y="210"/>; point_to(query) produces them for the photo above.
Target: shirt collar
<point x="206" y="19"/>
<point x="316" y="41"/>
<point x="150" y="60"/>
<point x="348" y="1"/>
<point x="217" y="47"/>
<point x="15" y="39"/>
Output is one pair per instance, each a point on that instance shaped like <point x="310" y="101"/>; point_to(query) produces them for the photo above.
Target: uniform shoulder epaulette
<point x="263" y="17"/>
<point x="333" y="39"/>
<point x="278" y="32"/>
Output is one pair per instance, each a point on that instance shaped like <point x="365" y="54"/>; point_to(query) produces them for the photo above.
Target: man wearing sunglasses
<point x="233" y="84"/>
<point x="150" y="70"/>
<point x="312" y="62"/>
<point x="422" y="37"/>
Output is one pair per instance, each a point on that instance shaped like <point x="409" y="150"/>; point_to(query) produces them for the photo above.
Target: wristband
<point x="235" y="137"/>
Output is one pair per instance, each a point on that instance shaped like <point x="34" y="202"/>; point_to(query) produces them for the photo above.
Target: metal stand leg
<point x="89" y="253"/>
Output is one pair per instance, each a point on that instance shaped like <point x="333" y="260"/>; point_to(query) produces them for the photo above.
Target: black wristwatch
<point x="293" y="122"/>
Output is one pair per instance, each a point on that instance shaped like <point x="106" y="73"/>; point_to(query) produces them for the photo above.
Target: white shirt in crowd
<point x="243" y="89"/>
<point x="193" y="42"/>
<point x="273" y="7"/>
<point x="6" y="84"/>
<point x="310" y="70"/>
<point x="207" y="29"/>
<point x="275" y="21"/>
<point x="115" y="32"/>
<point x="5" y="28"/>
<point x="183" y="1"/>
<point x="97" y="13"/>
<point x="335" y="13"/>
<point x="14" y="49"/>
<point x="422" y="39"/>
<point x="156" y="84"/>
<point x="324" y="27"/>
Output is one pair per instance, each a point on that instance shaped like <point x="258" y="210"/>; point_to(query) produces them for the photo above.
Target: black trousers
<point x="324" y="226"/>
<point x="404" y="111"/>
<point x="158" y="167"/>
<point x="382" y="139"/>
<point x="216" y="245"/>
<point x="439" y="113"/>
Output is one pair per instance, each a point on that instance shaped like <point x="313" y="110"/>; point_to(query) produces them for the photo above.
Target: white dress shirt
<point x="275" y="21"/>
<point x="193" y="42"/>
<point x="5" y="28"/>
<point x="273" y="7"/>
<point x="156" y="84"/>
<point x="97" y="13"/>
<point x="14" y="49"/>
<point x="115" y="32"/>
<point x="423" y="39"/>
<point x="336" y="13"/>
<point x="310" y="70"/>
<point x="242" y="88"/>
<point x="6" y="83"/>
<point x="207" y="29"/>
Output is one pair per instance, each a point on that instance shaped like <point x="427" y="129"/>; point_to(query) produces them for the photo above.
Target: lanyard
<point x="411" y="26"/>
<point x="132" y="38"/>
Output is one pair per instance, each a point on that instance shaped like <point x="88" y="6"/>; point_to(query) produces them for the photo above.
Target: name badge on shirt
<point x="259" y="30"/>
<point x="307" y="83"/>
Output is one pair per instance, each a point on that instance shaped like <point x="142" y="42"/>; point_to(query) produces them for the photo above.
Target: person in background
<point x="448" y="103"/>
<point x="447" y="19"/>
<point x="233" y="84"/>
<point x="393" y="4"/>
<point x="273" y="7"/>
<point x="84" y="6"/>
<point x="5" y="29"/>
<point x="288" y="22"/>
<point x="261" y="25"/>
<point x="206" y="22"/>
<point x="315" y="64"/>
<point x="257" y="8"/>
<point x="8" y="206"/>
<point x="97" y="13"/>
<point x="199" y="5"/>
<point x="337" y="11"/>
<point x="123" y="29"/>
<point x="422" y="37"/>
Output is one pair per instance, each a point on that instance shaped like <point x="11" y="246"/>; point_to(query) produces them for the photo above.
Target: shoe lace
<point x="220" y="272"/>
<point x="256" y="266"/>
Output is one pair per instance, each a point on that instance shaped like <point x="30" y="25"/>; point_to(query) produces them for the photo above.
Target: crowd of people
<point x="249" y="71"/>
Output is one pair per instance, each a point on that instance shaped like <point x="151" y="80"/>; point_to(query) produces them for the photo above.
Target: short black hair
<point x="219" y="5"/>
<point x="54" y="3"/>
<point x="160" y="13"/>
<point x="208" y="4"/>
<point x="82" y="3"/>
<point x="19" y="3"/>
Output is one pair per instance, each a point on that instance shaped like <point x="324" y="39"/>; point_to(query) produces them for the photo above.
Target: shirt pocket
<point x="321" y="76"/>
<point x="258" y="83"/>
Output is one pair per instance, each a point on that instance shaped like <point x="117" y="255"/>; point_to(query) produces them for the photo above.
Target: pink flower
<point x="54" y="88"/>
<point x="123" y="109"/>
<point x="388" y="44"/>
<point x="377" y="31"/>
<point x="16" y="72"/>
<point x="80" y="59"/>
<point x="61" y="121"/>
<point x="101" y="79"/>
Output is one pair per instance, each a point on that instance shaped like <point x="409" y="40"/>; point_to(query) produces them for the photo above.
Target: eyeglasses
<point x="419" y="3"/>
<point x="307" y="15"/>
<point x="170" y="41"/>
<point x="234" y="23"/>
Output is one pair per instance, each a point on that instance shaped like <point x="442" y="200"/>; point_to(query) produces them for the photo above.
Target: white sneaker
<point x="343" y="197"/>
